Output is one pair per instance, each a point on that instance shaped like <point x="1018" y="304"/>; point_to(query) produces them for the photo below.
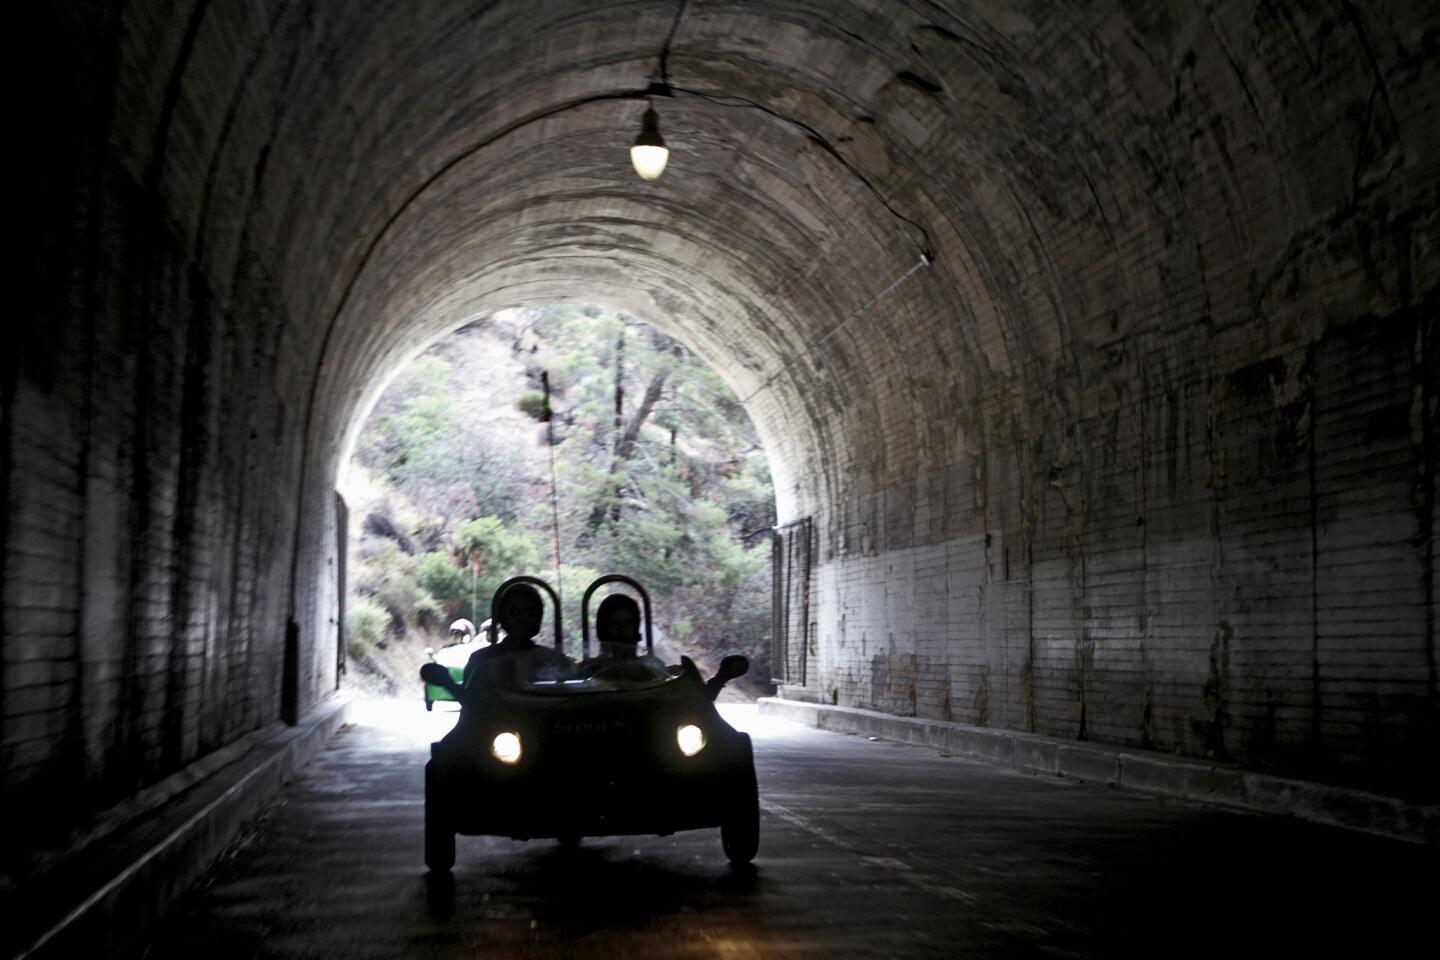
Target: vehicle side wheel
<point x="439" y="834"/>
<point x="740" y="832"/>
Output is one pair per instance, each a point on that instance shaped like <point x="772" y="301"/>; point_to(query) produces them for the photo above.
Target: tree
<point x="430" y="448"/>
<point x="492" y="555"/>
<point x="660" y="475"/>
<point x="438" y="576"/>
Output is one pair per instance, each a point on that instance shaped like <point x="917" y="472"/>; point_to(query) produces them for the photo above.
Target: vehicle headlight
<point x="506" y="747"/>
<point x="691" y="739"/>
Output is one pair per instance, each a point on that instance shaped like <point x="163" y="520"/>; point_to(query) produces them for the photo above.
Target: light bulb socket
<point x="650" y="130"/>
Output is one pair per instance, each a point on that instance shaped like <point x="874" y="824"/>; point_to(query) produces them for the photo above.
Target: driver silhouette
<point x="521" y="611"/>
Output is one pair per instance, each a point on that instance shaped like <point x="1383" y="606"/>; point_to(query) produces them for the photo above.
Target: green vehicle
<point x="454" y="655"/>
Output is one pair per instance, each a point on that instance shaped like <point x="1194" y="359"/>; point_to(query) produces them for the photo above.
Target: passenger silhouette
<point x="617" y="626"/>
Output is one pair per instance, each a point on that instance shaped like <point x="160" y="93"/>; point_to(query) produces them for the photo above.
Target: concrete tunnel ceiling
<point x="774" y="224"/>
<point x="1136" y="459"/>
<point x="478" y="161"/>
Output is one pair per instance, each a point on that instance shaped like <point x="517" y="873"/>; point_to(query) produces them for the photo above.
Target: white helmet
<point x="464" y="627"/>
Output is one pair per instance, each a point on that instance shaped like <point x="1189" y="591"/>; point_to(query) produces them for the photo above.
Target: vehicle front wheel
<point x="740" y="831"/>
<point x="439" y="834"/>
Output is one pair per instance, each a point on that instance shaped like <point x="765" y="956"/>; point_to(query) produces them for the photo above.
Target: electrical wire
<point x="927" y="255"/>
<point x="669" y="39"/>
<point x="924" y="261"/>
<point x="926" y="247"/>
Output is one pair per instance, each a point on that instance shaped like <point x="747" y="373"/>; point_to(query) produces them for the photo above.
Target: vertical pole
<point x="807" y="531"/>
<point x="618" y="434"/>
<point x="777" y="623"/>
<point x="554" y="490"/>
<point x="619" y="394"/>
<point x="290" y="675"/>
<point x="342" y="560"/>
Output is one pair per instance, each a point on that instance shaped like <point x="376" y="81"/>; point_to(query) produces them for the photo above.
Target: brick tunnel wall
<point x="1203" y="521"/>
<point x="1235" y="565"/>
<point x="1194" y="509"/>
<point x="1146" y="456"/>
<point x="151" y="446"/>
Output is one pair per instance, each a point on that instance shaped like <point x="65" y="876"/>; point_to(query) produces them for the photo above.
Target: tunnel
<point x="1093" y="347"/>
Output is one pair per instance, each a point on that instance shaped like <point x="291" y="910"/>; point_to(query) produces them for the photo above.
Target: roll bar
<point x="585" y="610"/>
<point x="534" y="581"/>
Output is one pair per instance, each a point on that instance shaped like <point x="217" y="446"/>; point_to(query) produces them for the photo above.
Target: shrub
<point x="367" y="623"/>
<point x="532" y="404"/>
<point x="446" y="583"/>
<point x="388" y="577"/>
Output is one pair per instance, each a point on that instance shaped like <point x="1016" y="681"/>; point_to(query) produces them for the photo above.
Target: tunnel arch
<point x="1092" y="473"/>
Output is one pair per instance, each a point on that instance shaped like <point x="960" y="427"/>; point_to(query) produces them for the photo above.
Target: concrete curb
<point x="174" y="844"/>
<point x="1157" y="773"/>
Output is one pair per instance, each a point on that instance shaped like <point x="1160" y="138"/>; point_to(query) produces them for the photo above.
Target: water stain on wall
<point x="1217" y="692"/>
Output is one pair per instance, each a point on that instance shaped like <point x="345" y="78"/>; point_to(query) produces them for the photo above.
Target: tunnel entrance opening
<point x="564" y="442"/>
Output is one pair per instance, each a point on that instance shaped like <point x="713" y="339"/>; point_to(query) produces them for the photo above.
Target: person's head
<point x="618" y="620"/>
<point x="521" y="611"/>
<point x="461" y="631"/>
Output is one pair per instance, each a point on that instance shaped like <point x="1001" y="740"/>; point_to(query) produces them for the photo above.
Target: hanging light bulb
<point x="649" y="154"/>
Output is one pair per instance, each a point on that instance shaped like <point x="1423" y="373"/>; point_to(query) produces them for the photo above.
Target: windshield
<point x="542" y="670"/>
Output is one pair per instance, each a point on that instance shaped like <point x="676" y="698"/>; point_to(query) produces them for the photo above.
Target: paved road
<point x="868" y="848"/>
